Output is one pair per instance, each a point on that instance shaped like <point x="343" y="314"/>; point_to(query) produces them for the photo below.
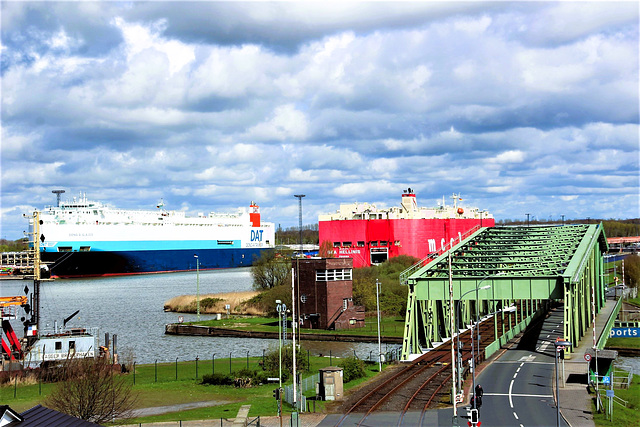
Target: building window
<point x="346" y="244"/>
<point x="333" y="275"/>
<point x="72" y="345"/>
<point x="58" y="345"/>
<point x="374" y="243"/>
<point x="361" y="244"/>
<point x="336" y="244"/>
<point x="383" y="243"/>
<point x="345" y="303"/>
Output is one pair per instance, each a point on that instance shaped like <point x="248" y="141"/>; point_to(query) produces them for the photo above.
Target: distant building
<point x="325" y="294"/>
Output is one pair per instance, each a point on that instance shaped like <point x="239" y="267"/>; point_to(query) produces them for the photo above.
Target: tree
<point x="270" y="271"/>
<point x="632" y="270"/>
<point x="326" y="249"/>
<point x="93" y="392"/>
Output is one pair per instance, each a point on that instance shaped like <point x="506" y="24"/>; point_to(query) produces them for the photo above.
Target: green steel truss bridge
<point x="507" y="268"/>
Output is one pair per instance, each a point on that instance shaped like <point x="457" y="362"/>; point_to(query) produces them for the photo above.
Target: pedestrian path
<point x="575" y="400"/>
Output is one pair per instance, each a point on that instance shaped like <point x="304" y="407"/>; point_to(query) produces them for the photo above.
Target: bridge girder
<point x="526" y="264"/>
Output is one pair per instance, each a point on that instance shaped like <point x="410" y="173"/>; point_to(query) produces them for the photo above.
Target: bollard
<point x="155" y="369"/>
<point x="196" y="366"/>
<point x="134" y="373"/>
<point x="230" y="362"/>
<point x="247" y="359"/>
<point x="176" y="369"/>
<point x="213" y="363"/>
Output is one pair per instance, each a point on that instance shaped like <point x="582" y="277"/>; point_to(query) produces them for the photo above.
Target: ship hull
<point x="374" y="241"/>
<point x="115" y="263"/>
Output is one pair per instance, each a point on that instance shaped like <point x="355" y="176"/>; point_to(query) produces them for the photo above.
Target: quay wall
<point x="196" y="330"/>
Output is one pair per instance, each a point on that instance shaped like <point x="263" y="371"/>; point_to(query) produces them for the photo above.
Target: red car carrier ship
<point x="371" y="236"/>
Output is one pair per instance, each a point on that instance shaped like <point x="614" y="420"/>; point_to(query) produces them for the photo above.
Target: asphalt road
<point x="518" y="386"/>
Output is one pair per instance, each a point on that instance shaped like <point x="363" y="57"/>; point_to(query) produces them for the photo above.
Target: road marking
<point x="510" y="401"/>
<point x="519" y="395"/>
<point x="516" y="415"/>
<point x="515" y="375"/>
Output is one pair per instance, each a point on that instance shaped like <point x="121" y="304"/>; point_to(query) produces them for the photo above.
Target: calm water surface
<point x="132" y="308"/>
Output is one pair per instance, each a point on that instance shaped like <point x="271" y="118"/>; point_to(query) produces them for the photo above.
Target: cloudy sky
<point x="521" y="107"/>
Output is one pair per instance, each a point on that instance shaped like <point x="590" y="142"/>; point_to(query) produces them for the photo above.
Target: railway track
<point x="420" y="385"/>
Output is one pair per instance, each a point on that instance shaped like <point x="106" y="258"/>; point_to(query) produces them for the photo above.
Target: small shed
<point x="330" y="386"/>
<point x="600" y="362"/>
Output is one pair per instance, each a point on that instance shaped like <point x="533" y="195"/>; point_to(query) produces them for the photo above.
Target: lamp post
<point x="559" y="345"/>
<point x="379" y="341"/>
<point x="473" y="356"/>
<point x="456" y="325"/>
<point x="278" y="309"/>
<point x="197" y="285"/>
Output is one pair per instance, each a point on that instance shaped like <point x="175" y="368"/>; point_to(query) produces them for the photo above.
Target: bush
<point x="217" y="379"/>
<point x="209" y="302"/>
<point x="353" y="368"/>
<point x="272" y="361"/>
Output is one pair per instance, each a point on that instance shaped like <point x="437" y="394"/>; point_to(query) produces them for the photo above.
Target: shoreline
<point x="196" y="330"/>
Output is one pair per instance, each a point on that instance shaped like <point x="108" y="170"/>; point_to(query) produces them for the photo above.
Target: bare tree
<point x="93" y="392"/>
<point x="270" y="270"/>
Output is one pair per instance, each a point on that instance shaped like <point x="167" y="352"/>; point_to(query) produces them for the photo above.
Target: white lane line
<point x="516" y="415"/>
<point x="519" y="395"/>
<point x="510" y="400"/>
<point x="515" y="375"/>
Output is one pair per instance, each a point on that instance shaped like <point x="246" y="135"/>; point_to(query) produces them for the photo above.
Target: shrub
<point x="217" y="379"/>
<point x="353" y="368"/>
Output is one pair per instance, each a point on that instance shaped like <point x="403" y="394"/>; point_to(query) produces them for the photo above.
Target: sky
<point x="521" y="107"/>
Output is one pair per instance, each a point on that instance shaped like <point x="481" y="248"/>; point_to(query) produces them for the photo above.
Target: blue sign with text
<point x="624" y="333"/>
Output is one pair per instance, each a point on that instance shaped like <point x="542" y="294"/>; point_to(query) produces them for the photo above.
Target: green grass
<point x="392" y="326"/>
<point x="622" y="416"/>
<point x="623" y="342"/>
<point x="156" y="385"/>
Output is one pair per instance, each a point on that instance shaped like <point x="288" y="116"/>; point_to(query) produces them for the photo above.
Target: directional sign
<point x="624" y="333"/>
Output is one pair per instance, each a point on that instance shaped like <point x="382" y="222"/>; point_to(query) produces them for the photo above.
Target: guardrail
<point x="604" y="335"/>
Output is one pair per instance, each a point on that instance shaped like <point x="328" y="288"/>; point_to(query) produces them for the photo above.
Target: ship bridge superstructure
<point x="521" y="268"/>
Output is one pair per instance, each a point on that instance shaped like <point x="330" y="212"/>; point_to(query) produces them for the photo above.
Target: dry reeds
<point x="214" y="303"/>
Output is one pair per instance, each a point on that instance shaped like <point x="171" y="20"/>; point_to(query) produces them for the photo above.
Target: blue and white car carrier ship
<point x="83" y="238"/>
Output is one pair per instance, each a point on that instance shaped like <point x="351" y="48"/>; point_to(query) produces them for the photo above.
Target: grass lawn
<point x="622" y="416"/>
<point x="157" y="385"/>
<point x="392" y="326"/>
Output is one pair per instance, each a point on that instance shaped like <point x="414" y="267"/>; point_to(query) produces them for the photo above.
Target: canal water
<point x="132" y="308"/>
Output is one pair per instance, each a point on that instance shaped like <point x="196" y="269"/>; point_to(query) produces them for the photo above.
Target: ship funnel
<point x="409" y="203"/>
<point x="254" y="214"/>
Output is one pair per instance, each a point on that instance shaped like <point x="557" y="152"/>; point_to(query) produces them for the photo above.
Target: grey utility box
<point x="330" y="386"/>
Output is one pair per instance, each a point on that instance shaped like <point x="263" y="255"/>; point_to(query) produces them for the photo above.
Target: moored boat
<point x="86" y="238"/>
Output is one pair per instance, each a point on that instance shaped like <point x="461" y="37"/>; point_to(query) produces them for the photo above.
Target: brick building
<point x="325" y="292"/>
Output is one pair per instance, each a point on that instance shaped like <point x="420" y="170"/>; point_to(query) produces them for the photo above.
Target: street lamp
<point x="379" y="342"/>
<point x="279" y="309"/>
<point x="197" y="285"/>
<point x="458" y="334"/>
<point x="560" y="345"/>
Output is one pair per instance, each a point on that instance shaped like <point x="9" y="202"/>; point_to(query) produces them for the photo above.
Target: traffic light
<point x="474" y="420"/>
<point x="276" y="393"/>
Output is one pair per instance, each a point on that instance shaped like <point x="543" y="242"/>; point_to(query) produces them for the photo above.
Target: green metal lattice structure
<point x="522" y="267"/>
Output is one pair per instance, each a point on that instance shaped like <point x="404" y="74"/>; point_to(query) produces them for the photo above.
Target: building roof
<point x="39" y="416"/>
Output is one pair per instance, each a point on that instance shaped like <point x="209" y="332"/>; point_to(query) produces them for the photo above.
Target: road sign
<point x="587" y="357"/>
<point x="606" y="380"/>
<point x="460" y="398"/>
<point x="611" y="393"/>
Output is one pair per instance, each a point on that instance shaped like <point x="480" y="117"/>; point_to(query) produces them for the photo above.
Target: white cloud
<point x="285" y="123"/>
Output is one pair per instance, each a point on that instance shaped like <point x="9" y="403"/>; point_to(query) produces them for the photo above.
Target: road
<point x="518" y="385"/>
